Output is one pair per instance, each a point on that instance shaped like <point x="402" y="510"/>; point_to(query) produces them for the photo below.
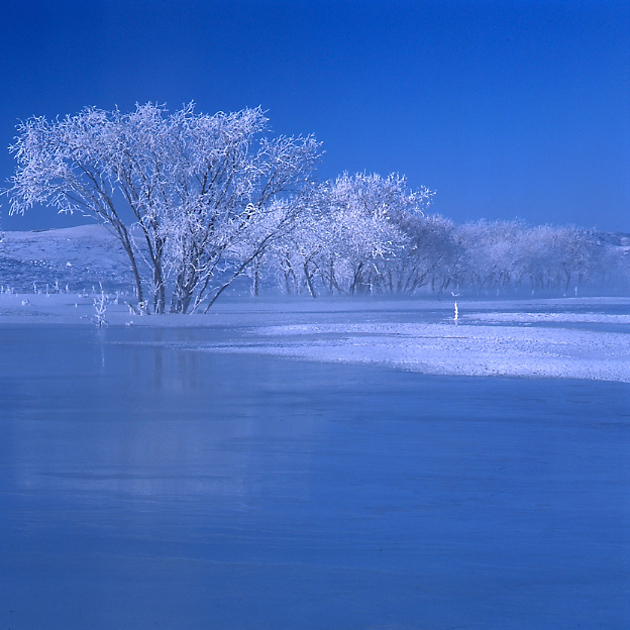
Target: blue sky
<point x="506" y="109"/>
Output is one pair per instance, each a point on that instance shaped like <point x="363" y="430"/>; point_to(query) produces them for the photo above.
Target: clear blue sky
<point x="506" y="108"/>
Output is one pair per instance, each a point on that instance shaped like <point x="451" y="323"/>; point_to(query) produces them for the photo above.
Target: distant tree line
<point x="199" y="200"/>
<point x="369" y="234"/>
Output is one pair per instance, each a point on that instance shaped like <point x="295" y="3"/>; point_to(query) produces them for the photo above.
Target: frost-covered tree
<point x="178" y="190"/>
<point x="352" y="233"/>
<point x="368" y="216"/>
<point x="491" y="254"/>
<point x="253" y="251"/>
<point x="295" y="258"/>
<point x="426" y="257"/>
<point x="557" y="257"/>
<point x="510" y="255"/>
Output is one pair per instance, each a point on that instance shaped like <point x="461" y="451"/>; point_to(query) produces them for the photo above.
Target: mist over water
<point x="145" y="484"/>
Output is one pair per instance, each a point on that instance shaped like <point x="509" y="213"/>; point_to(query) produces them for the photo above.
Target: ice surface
<point x="145" y="484"/>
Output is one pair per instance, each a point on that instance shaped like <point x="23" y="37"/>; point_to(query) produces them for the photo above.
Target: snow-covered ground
<point x="470" y="350"/>
<point x="585" y="338"/>
<point x="479" y="343"/>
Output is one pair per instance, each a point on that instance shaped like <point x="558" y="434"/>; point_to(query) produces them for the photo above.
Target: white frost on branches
<point x="198" y="200"/>
<point x="192" y="185"/>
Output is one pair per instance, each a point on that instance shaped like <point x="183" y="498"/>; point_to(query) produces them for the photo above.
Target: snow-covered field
<point x="586" y="338"/>
<point x="469" y="350"/>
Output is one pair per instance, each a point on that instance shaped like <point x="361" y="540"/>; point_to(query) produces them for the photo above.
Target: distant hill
<point x="81" y="257"/>
<point x="617" y="239"/>
<point x="77" y="257"/>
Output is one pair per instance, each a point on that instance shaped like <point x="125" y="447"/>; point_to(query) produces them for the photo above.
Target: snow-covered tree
<point x="352" y="235"/>
<point x="491" y="254"/>
<point x="509" y="255"/>
<point x="426" y="257"/>
<point x="557" y="257"/>
<point x="179" y="190"/>
<point x="367" y="216"/>
<point x="295" y="258"/>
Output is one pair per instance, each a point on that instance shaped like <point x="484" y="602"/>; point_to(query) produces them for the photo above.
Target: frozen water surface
<point x="145" y="484"/>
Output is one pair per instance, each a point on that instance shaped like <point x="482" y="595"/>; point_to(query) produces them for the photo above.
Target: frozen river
<point x="145" y="485"/>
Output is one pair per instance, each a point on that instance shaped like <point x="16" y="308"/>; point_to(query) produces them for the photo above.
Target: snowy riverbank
<point x="587" y="338"/>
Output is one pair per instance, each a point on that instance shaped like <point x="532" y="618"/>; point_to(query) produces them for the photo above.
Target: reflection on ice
<point x="151" y="422"/>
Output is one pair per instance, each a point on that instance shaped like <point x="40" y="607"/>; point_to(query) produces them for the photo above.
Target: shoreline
<point x="575" y="338"/>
